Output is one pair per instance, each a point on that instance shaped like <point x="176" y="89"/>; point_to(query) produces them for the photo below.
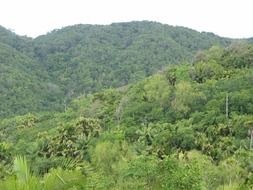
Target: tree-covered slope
<point x="88" y="58"/>
<point x="184" y="128"/>
<point x="24" y="85"/>
<point x="83" y="59"/>
<point x="20" y="43"/>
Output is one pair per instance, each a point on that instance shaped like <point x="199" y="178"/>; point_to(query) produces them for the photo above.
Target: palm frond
<point x="21" y="169"/>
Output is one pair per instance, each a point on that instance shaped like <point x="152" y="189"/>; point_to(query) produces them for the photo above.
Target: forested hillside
<point x="24" y="84"/>
<point x="20" y="43"/>
<point x="83" y="59"/>
<point x="88" y="58"/>
<point x="186" y="127"/>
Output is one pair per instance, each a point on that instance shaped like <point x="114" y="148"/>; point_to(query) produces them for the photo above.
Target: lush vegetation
<point x="186" y="127"/>
<point x="45" y="73"/>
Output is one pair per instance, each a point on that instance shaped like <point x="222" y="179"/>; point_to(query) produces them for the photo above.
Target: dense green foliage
<point x="23" y="84"/>
<point x="186" y="127"/>
<point x="45" y="73"/>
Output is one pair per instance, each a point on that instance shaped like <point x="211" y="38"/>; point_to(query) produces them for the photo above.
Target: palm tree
<point x="55" y="179"/>
<point x="23" y="179"/>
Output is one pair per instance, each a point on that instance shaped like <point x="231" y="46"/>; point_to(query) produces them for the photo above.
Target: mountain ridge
<point x="83" y="59"/>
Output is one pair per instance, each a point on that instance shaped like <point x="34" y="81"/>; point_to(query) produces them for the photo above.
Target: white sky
<point x="229" y="18"/>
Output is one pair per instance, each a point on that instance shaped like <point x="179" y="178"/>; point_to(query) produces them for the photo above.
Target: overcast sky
<point x="228" y="18"/>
